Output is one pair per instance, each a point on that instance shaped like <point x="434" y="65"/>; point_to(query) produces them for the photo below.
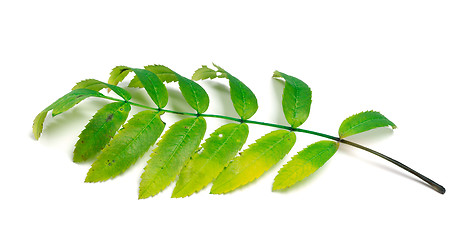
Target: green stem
<point x="433" y="184"/>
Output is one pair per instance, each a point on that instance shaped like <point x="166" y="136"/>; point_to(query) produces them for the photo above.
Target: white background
<point x="406" y="59"/>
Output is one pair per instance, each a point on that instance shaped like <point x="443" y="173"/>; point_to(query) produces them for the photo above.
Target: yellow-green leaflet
<point x="362" y="122"/>
<point x="164" y="73"/>
<point x="296" y="99"/>
<point x="100" y="129"/>
<point x="130" y="143"/>
<point x="97" y="85"/>
<point x="154" y="86"/>
<point x="254" y="161"/>
<point x="61" y="105"/>
<point x="117" y="74"/>
<point x="304" y="163"/>
<point x="176" y="146"/>
<point x="204" y="73"/>
<point x="215" y="153"/>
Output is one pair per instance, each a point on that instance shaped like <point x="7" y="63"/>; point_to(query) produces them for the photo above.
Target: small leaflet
<point x="363" y="122"/>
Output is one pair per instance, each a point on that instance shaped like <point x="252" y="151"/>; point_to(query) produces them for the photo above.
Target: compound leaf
<point x="118" y="73"/>
<point x="100" y="129"/>
<point x="296" y="99"/>
<point x="154" y="86"/>
<point x="216" y="152"/>
<point x="194" y="94"/>
<point x="130" y="143"/>
<point x="97" y="85"/>
<point x="304" y="164"/>
<point x="175" y="147"/>
<point x="254" y="161"/>
<point x="362" y="122"/>
<point x="164" y="73"/>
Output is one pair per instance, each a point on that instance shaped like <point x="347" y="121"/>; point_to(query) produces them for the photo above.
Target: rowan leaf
<point x="254" y="161"/>
<point x="204" y="73"/>
<point x="164" y="73"/>
<point x="194" y="94"/>
<point x="174" y="148"/>
<point x="118" y="73"/>
<point x="304" y="163"/>
<point x="296" y="99"/>
<point x="97" y="85"/>
<point x="130" y="143"/>
<point x="363" y="122"/>
<point x="216" y="153"/>
<point x="243" y="99"/>
<point x="100" y="129"/>
<point x="154" y="86"/>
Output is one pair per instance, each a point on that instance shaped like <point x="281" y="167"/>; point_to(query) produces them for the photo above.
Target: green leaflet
<point x="243" y="99"/>
<point x="164" y="73"/>
<point x="118" y="73"/>
<point x="97" y="85"/>
<point x="154" y="86"/>
<point x="61" y="105"/>
<point x="216" y="153"/>
<point x="296" y="99"/>
<point x="304" y="164"/>
<point x="100" y="129"/>
<point x="362" y="122"/>
<point x="254" y="161"/>
<point x="175" y="147"/>
<point x="204" y="73"/>
<point x="130" y="143"/>
<point x="194" y="94"/>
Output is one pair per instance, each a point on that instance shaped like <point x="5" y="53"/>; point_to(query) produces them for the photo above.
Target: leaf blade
<point x="164" y="73"/>
<point x="130" y="143"/>
<point x="254" y="161"/>
<point x="243" y="99"/>
<point x="100" y="129"/>
<point x="194" y="94"/>
<point x="97" y="85"/>
<point x="362" y="122"/>
<point x="204" y="73"/>
<point x="59" y="104"/>
<point x="296" y="99"/>
<point x="218" y="150"/>
<point x="154" y="86"/>
<point x="304" y="163"/>
<point x="117" y="74"/>
<point x="174" y="148"/>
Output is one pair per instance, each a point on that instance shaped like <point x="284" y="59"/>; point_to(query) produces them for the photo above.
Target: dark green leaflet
<point x="97" y="85"/>
<point x="216" y="153"/>
<point x="296" y="100"/>
<point x="174" y="148"/>
<point x="118" y="73"/>
<point x="254" y="161"/>
<point x="304" y="163"/>
<point x="100" y="129"/>
<point x="154" y="86"/>
<point x="61" y="105"/>
<point x="130" y="143"/>
<point x="362" y="122"/>
<point x="194" y="94"/>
